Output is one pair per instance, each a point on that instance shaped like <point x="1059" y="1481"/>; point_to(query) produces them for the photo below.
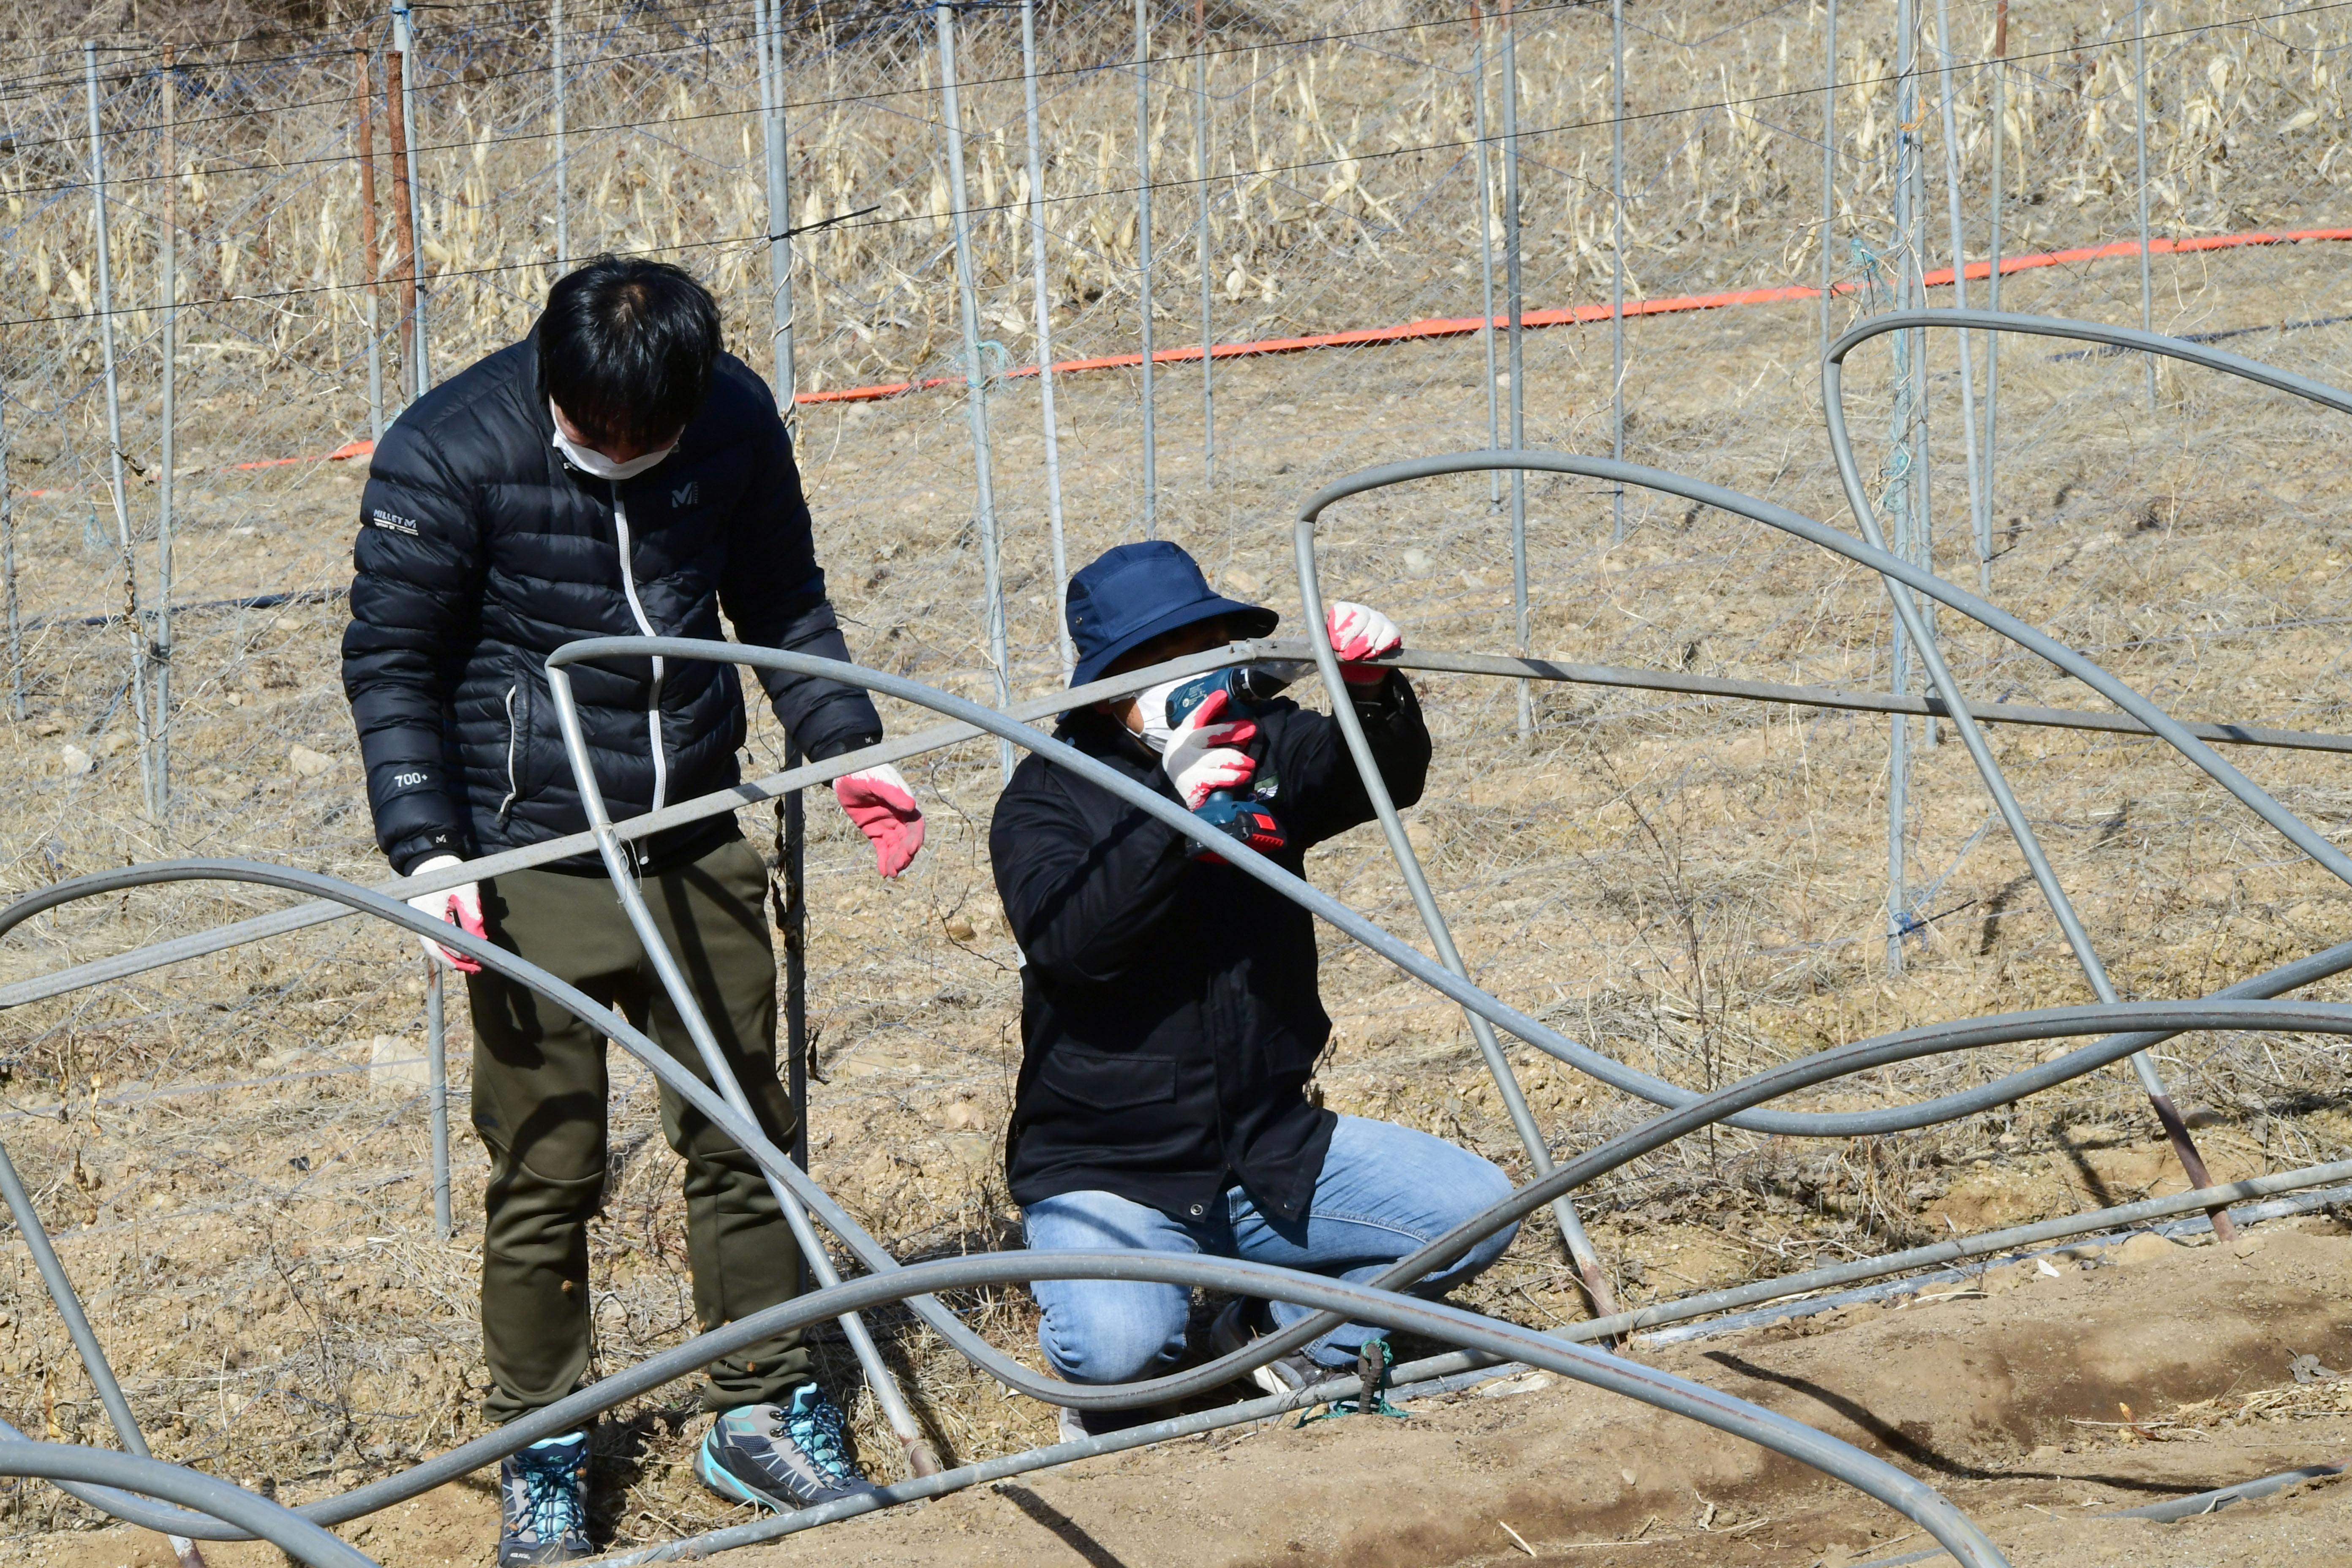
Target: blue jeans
<point x="1384" y="1191"/>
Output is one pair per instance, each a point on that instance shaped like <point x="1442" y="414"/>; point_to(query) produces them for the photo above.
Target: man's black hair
<point x="626" y="348"/>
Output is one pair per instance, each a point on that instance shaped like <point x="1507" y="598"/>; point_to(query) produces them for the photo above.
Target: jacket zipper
<point x="636" y="609"/>
<point x="507" y="804"/>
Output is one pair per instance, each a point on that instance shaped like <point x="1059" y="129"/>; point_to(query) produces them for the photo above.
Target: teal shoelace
<point x="813" y="1422"/>
<point x="551" y="1493"/>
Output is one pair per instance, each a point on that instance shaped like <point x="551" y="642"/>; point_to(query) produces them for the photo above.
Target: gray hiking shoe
<point x="1244" y="1319"/>
<point x="781" y="1457"/>
<point x="543" y="1503"/>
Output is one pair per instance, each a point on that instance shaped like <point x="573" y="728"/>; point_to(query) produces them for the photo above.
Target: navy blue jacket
<point x="1170" y="1009"/>
<point x="481" y="550"/>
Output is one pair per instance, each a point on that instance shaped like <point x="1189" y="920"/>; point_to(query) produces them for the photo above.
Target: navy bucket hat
<point x="1132" y="592"/>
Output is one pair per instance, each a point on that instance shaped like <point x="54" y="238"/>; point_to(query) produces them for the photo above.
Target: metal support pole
<point x="8" y="570"/>
<point x="1143" y="259"/>
<point x="1201" y="168"/>
<point x="792" y="866"/>
<point x="404" y="35"/>
<point x="884" y="1388"/>
<point x="168" y="289"/>
<point x="1515" y="304"/>
<point x="1044" y="332"/>
<point x="1579" y="1246"/>
<point x="764" y="64"/>
<point x="1992" y="281"/>
<point x="780" y="203"/>
<point x="1617" y="257"/>
<point x="78" y="1330"/>
<point x="1486" y="248"/>
<point x="370" y="259"/>
<point x="134" y="618"/>
<point x="2078" y="941"/>
<point x="563" y="161"/>
<point x="1979" y="521"/>
<point x="1828" y="165"/>
<point x="975" y="379"/>
<point x="437" y="1068"/>
<point x="1900" y="491"/>
<point x="1914" y="239"/>
<point x="2140" y="141"/>
<point x="403" y="220"/>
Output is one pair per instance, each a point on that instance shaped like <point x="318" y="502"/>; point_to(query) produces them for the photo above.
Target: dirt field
<point x="2034" y="1403"/>
<point x="1697" y="887"/>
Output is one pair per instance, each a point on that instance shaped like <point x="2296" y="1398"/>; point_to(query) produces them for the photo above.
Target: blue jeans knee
<point x="1111" y="1331"/>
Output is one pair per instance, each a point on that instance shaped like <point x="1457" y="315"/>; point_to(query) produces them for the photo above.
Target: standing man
<point x="616" y="473"/>
<point x="1170" y="1013"/>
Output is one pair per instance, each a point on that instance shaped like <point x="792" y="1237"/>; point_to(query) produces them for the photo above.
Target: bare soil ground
<point x="1696" y="888"/>
<point x="2034" y="1403"/>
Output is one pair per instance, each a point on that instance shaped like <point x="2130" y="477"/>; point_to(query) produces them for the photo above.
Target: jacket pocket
<point x="1102" y="1082"/>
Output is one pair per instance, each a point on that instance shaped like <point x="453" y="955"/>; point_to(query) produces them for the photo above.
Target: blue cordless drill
<point x="1242" y="817"/>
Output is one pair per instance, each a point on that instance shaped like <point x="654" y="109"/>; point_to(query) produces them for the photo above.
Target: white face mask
<point x="588" y="461"/>
<point x="1152" y="706"/>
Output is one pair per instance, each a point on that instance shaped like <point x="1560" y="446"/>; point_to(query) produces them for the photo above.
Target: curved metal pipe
<point x="1431" y="1376"/>
<point x="2159" y="723"/>
<point x="2149" y="1020"/>
<point x="110" y="1474"/>
<point x="683" y="1360"/>
<point x="2188" y="353"/>
<point x="1802" y="1124"/>
<point x="1694" y="1110"/>
<point x="1914" y="1499"/>
<point x="1921" y="636"/>
<point x="717" y="802"/>
<point x="1897" y="571"/>
<point x="1931" y="656"/>
<point x="1792" y="1076"/>
<point x="1581" y="1250"/>
<point x="2314" y="1017"/>
<point x="1787" y="1078"/>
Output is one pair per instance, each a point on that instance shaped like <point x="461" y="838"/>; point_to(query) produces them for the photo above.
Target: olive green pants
<point x="539" y="1103"/>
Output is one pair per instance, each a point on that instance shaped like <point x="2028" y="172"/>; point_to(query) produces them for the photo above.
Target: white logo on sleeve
<point x="395" y="522"/>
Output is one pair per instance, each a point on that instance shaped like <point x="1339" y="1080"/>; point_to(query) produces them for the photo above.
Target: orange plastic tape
<point x="1463" y="326"/>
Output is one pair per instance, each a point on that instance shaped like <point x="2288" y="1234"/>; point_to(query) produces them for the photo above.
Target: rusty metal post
<point x="371" y="258"/>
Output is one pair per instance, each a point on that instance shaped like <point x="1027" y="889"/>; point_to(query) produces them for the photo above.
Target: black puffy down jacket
<point x="481" y="550"/>
<point x="1169" y="1010"/>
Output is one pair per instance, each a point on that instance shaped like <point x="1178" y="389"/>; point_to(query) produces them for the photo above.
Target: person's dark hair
<point x="626" y="348"/>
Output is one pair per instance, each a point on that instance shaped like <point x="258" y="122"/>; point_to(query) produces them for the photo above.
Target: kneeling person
<point x="1171" y="1014"/>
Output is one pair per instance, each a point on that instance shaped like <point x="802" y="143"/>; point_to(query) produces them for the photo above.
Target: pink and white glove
<point x="461" y="906"/>
<point x="1204" y="752"/>
<point x="884" y="808"/>
<point x="1357" y="634"/>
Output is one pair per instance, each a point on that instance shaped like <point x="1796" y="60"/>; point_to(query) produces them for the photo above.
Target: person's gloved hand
<point x="461" y="906"/>
<point x="1360" y="632"/>
<point x="1204" y="752"/>
<point x="884" y="808"/>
